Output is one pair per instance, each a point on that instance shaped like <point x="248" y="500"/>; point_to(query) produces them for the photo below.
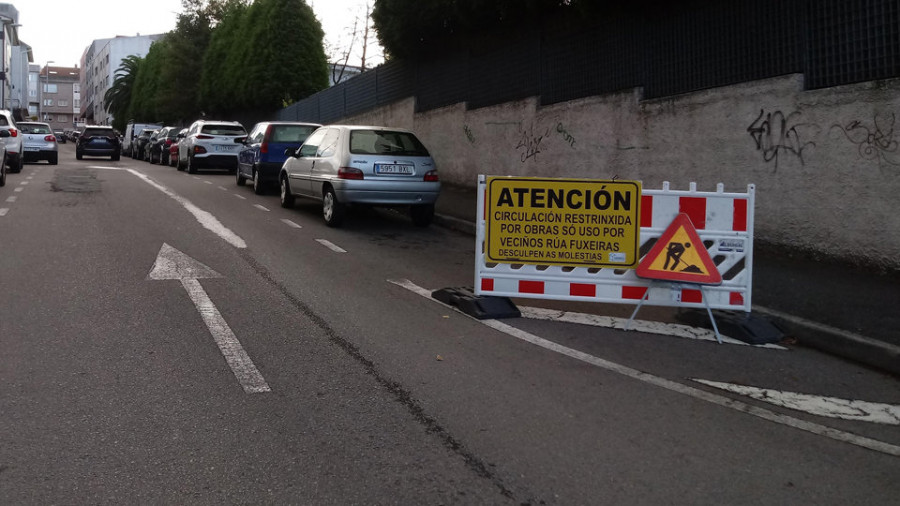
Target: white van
<point x="133" y="130"/>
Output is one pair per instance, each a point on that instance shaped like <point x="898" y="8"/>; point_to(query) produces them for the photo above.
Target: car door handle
<point x="313" y="166"/>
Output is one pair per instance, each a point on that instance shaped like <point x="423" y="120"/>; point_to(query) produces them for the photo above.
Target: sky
<point x="60" y="30"/>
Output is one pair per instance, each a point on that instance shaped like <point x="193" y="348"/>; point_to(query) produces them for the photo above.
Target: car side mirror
<point x="4" y="133"/>
<point x="292" y="152"/>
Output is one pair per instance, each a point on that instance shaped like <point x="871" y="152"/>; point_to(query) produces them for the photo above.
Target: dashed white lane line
<point x="290" y="223"/>
<point x="18" y="189"/>
<point x="11" y="199"/>
<point x="208" y="182"/>
<point x="222" y="188"/>
<point x="831" y="407"/>
<point x="240" y="196"/>
<point x="23" y="183"/>
<point x="260" y="207"/>
<point x="330" y="245"/>
<point x="3" y="211"/>
<point x="815" y="428"/>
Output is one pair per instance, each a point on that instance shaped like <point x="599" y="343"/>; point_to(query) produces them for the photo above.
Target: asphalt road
<point x="317" y="371"/>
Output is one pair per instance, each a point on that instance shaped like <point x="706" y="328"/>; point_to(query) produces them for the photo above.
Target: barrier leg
<point x="709" y="311"/>
<point x="638" y="308"/>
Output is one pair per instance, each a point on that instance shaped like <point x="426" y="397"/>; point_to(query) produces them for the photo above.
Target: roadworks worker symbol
<point x="679" y="255"/>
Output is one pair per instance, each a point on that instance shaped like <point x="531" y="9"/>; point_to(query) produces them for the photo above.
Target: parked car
<point x="39" y="142"/>
<point x="139" y="144"/>
<point x="60" y="136"/>
<point x="343" y="165"/>
<point x="13" y="143"/>
<point x="132" y="130"/>
<point x="4" y="134"/>
<point x="160" y="142"/>
<point x="173" y="149"/>
<point x="98" y="141"/>
<point x="263" y="152"/>
<point x="211" y="144"/>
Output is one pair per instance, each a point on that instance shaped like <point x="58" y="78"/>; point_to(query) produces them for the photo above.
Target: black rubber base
<point x="477" y="306"/>
<point x="746" y="327"/>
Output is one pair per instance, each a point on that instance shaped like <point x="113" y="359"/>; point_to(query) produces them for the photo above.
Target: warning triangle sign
<point x="679" y="255"/>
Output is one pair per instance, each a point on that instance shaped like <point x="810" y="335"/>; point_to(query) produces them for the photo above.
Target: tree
<point x="117" y="98"/>
<point x="410" y="29"/>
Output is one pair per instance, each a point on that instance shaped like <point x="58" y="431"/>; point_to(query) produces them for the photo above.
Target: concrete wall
<point x="826" y="163"/>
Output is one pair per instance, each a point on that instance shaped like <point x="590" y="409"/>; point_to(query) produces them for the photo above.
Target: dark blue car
<point x="262" y="154"/>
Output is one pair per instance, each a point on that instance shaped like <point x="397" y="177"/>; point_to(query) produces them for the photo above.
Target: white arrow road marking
<point x="821" y="430"/>
<point x="173" y="264"/>
<point x="330" y="245"/>
<point x="831" y="407"/>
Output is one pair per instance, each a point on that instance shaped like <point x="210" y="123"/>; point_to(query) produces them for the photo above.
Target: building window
<point x="48" y="102"/>
<point x="50" y="88"/>
<point x="62" y="118"/>
<point x="62" y="103"/>
<point x="76" y="104"/>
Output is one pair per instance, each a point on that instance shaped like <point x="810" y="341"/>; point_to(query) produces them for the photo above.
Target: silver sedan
<point x="343" y="165"/>
<point x="39" y="142"/>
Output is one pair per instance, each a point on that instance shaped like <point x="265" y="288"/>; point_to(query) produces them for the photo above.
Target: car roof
<point x="369" y="127"/>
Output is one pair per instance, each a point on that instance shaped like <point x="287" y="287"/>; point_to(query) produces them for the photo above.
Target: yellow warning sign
<point x="573" y="222"/>
<point x="679" y="255"/>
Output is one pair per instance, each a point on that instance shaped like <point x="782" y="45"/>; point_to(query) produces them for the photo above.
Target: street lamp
<point x="43" y="89"/>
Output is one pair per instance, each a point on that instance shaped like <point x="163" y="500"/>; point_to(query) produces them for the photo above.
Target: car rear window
<point x="34" y="129"/>
<point x="291" y="133"/>
<point x="385" y="142"/>
<point x="98" y="132"/>
<point x="223" y="130"/>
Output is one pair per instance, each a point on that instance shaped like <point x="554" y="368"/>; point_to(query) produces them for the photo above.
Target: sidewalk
<point x="834" y="307"/>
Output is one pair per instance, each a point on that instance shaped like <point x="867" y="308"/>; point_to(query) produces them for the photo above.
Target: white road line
<point x="330" y="245"/>
<point x="611" y="322"/>
<point x="831" y="407"/>
<point x="222" y="188"/>
<point x="244" y="370"/>
<point x="18" y="189"/>
<point x="260" y="207"/>
<point x="11" y="199"/>
<point x="240" y="196"/>
<point x="23" y="183"/>
<point x="3" y="211"/>
<point x="206" y="219"/>
<point x="208" y="182"/>
<point x="673" y="386"/>
<point x="197" y="178"/>
<point x="290" y="223"/>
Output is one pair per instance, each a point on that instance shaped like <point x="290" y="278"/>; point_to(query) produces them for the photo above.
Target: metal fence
<point x="679" y="49"/>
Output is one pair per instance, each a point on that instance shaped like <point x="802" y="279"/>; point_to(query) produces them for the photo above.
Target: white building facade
<point x="99" y="64"/>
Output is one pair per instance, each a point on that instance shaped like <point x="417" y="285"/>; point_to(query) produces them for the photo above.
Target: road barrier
<point x="723" y="221"/>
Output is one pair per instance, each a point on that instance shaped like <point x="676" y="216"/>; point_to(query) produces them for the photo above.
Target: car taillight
<point x="199" y="149"/>
<point x="13" y="132"/>
<point x="201" y="136"/>
<point x="168" y="142"/>
<point x="50" y="138"/>
<point x="432" y="176"/>
<point x="264" y="147"/>
<point x="350" y="173"/>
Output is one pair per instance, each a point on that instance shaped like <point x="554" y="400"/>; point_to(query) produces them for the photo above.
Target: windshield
<point x="385" y="142"/>
<point x="98" y="132"/>
<point x="291" y="133"/>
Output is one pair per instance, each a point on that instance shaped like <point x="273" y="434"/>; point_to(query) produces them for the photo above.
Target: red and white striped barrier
<point x="724" y="222"/>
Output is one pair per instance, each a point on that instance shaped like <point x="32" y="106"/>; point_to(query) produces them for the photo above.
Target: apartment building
<point x="60" y="94"/>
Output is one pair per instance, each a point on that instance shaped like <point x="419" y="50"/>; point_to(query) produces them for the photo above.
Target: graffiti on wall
<point x="529" y="145"/>
<point x="567" y="137"/>
<point x="777" y="134"/>
<point x="469" y="135"/>
<point x="873" y="141"/>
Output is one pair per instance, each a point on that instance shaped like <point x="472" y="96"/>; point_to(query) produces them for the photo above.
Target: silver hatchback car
<point x="343" y="165"/>
<point x="39" y="142"/>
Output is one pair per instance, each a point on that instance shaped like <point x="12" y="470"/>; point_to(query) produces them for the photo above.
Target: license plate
<point x="225" y="148"/>
<point x="393" y="168"/>
<point x="29" y="148"/>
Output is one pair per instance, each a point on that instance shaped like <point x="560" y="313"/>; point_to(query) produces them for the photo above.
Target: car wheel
<point x="332" y="210"/>
<point x="191" y="165"/>
<point x="258" y="187"/>
<point x="115" y="157"/>
<point x="3" y="173"/>
<point x="239" y="178"/>
<point x="77" y="155"/>
<point x="287" y="198"/>
<point x="20" y="165"/>
<point x="54" y="159"/>
<point x="422" y="215"/>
